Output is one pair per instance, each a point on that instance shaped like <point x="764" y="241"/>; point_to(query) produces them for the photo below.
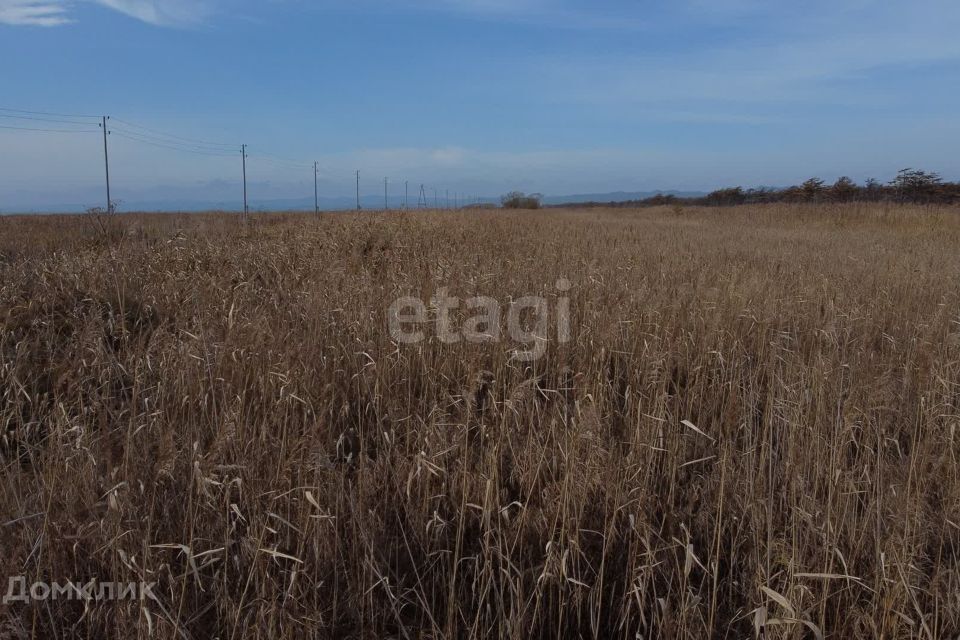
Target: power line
<point x="47" y="113"/>
<point x="51" y="130"/>
<point x="35" y="119"/>
<point x="156" y="138"/>
<point x="127" y="136"/>
<point x="160" y="138"/>
<point x="173" y="143"/>
<point x="285" y="164"/>
<point x="193" y="141"/>
<point x="272" y="157"/>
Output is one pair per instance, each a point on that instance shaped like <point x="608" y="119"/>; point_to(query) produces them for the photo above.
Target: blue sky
<point x="474" y="96"/>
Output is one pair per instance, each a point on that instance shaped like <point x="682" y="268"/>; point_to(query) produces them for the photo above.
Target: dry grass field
<point x="752" y="433"/>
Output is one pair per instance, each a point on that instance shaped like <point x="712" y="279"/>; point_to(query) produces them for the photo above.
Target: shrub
<point x="521" y="200"/>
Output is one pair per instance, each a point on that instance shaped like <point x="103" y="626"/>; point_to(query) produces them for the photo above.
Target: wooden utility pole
<point x="358" y="190"/>
<point x="246" y="208"/>
<point x="106" y="162"/>
<point x="316" y="197"/>
<point x="386" y="203"/>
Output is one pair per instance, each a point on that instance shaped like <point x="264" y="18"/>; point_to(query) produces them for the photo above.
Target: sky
<point x="476" y="97"/>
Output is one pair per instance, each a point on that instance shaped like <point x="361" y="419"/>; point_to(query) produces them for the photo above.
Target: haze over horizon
<point x="472" y="96"/>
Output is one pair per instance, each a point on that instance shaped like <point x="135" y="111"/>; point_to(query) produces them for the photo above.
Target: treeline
<point x="910" y="186"/>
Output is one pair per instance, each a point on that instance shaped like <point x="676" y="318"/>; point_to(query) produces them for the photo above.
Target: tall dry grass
<point x="752" y="433"/>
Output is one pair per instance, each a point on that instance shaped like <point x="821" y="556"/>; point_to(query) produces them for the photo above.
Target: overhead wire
<point x="47" y="113"/>
<point x="172" y="147"/>
<point x="36" y="119"/>
<point x="149" y="136"/>
<point x="146" y="137"/>
<point x="158" y="133"/>
<point x="50" y="130"/>
<point x="279" y="160"/>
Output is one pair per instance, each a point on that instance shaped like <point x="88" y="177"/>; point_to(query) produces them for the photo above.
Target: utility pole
<point x="406" y="195"/>
<point x="316" y="197"/>
<point x="436" y="201"/>
<point x="358" y="190"/>
<point x="422" y="199"/>
<point x="246" y="209"/>
<point x="446" y="199"/>
<point x="106" y="162"/>
<point x="386" y="203"/>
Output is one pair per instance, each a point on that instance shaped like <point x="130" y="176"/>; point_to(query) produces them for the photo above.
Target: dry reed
<point x="752" y="433"/>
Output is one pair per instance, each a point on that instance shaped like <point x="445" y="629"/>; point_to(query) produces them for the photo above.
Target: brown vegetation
<point x="754" y="431"/>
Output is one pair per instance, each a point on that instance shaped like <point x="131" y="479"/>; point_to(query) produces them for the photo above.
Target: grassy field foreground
<point x="753" y="431"/>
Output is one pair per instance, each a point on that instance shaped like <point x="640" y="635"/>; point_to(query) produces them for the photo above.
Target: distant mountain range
<point x="326" y="203"/>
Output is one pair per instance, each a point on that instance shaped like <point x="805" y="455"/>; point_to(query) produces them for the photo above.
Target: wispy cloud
<point x="53" y="13"/>
<point x="562" y="14"/>
<point x="37" y="13"/>
<point x="161" y="12"/>
<point x="786" y="66"/>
